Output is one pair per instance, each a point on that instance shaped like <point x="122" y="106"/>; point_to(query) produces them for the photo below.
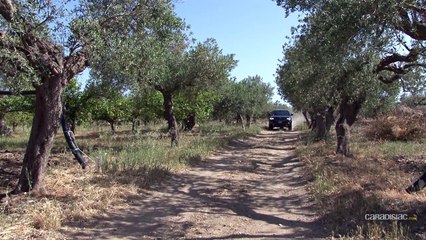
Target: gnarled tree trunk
<point x="329" y="118"/>
<point x="44" y="127"/>
<point x="54" y="70"/>
<point x="240" y="119"/>
<point x="170" y="117"/>
<point x="348" y="111"/>
<point x="2" y="125"/>
<point x="249" y="118"/>
<point x="320" y="127"/>
<point x="168" y="110"/>
<point x="322" y="121"/>
<point x="305" y="115"/>
<point x="112" y="126"/>
<point x="189" y="122"/>
<point x="73" y="126"/>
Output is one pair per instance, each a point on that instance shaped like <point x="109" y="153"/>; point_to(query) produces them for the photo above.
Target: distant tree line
<point x="143" y="65"/>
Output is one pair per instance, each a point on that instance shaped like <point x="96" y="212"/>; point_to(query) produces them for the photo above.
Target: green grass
<point x="148" y="149"/>
<point x="19" y="139"/>
<point x="394" y="148"/>
<point x="152" y="150"/>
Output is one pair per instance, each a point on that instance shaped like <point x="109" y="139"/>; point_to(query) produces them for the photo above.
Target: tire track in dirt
<point x="254" y="188"/>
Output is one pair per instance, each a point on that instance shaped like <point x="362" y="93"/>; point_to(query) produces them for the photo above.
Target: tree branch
<point x="75" y="63"/>
<point x="391" y="79"/>
<point x="411" y="26"/>
<point x="385" y="63"/>
<point x="7" y="9"/>
<point x="23" y="93"/>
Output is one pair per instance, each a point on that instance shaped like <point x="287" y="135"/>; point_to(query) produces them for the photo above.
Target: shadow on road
<point x="250" y="189"/>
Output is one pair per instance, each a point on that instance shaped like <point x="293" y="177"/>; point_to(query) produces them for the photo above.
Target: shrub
<point x="403" y="124"/>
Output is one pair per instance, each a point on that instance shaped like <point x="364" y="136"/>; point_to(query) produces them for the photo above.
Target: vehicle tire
<point x="290" y="127"/>
<point x="271" y="127"/>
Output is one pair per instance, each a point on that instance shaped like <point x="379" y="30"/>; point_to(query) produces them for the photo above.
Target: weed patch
<point x="373" y="181"/>
<point x="401" y="125"/>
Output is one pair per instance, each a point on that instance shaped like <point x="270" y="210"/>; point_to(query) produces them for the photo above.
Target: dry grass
<point x="403" y="124"/>
<point x="373" y="181"/>
<point x="129" y="163"/>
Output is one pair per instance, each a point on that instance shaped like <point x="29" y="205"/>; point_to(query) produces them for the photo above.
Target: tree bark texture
<point x="321" y="121"/>
<point x="248" y="120"/>
<point x="44" y="127"/>
<point x="329" y="118"/>
<point x="241" y="120"/>
<point x="189" y="122"/>
<point x="73" y="126"/>
<point x="2" y="124"/>
<point x="320" y="126"/>
<point x="170" y="117"/>
<point x="112" y="125"/>
<point x="348" y="111"/>
<point x="305" y="115"/>
<point x="54" y="70"/>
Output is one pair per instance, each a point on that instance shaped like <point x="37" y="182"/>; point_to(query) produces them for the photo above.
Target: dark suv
<point x="280" y="118"/>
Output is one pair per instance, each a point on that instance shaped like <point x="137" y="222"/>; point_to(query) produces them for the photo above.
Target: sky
<point x="253" y="30"/>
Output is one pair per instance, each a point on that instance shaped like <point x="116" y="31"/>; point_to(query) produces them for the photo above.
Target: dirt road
<point x="253" y="188"/>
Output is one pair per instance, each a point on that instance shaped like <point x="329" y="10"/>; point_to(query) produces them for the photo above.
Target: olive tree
<point x="395" y="29"/>
<point x="243" y="100"/>
<point x="192" y="69"/>
<point x="47" y="43"/>
<point x="328" y="69"/>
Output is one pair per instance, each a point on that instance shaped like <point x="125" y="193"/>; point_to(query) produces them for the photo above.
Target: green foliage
<point x="249" y="97"/>
<point x="16" y="104"/>
<point x="157" y="54"/>
<point x="327" y="61"/>
<point x="256" y="95"/>
<point x="15" y="119"/>
<point x="147" y="105"/>
<point x="413" y="100"/>
<point x="338" y="35"/>
<point x="191" y="69"/>
<point x="77" y="103"/>
<point x="200" y="105"/>
<point x="111" y="108"/>
<point x="16" y="110"/>
<point x="414" y="89"/>
<point x="208" y="66"/>
<point x="150" y="42"/>
<point x="382" y="102"/>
